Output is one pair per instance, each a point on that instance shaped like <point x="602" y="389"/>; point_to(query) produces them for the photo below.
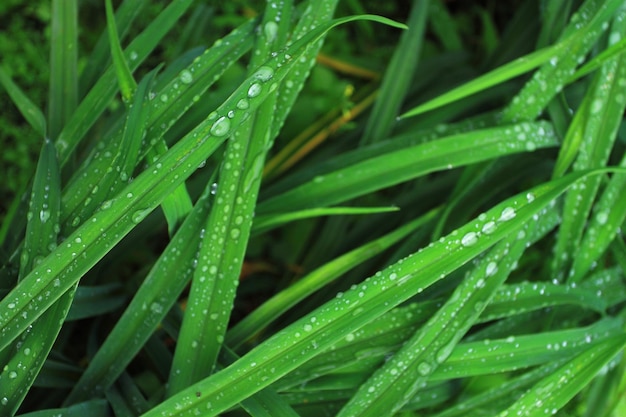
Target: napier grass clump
<point x="202" y="237"/>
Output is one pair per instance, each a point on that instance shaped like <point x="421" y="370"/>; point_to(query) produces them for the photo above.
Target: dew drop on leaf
<point x="469" y="239"/>
<point x="254" y="90"/>
<point x="221" y="126"/>
<point x="507" y="214"/>
<point x="186" y="77"/>
<point x="44" y="215"/>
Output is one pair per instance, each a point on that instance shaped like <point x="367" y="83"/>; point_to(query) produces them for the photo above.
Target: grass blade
<point x="124" y="75"/>
<point x="63" y="65"/>
<point x="27" y="108"/>
<point x="398" y="76"/>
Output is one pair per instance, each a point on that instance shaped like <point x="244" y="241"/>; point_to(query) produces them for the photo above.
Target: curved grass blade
<point x="118" y="216"/>
<point x="554" y="391"/>
<point x="27" y="108"/>
<point x="221" y="255"/>
<point x="317" y="279"/>
<point x="399" y="166"/>
<point x="317" y="331"/>
<point x="63" y="96"/>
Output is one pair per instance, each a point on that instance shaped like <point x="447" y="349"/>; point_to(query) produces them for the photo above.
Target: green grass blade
<point x="99" y="97"/>
<point x="316" y="13"/>
<point x="122" y="165"/>
<point x="152" y="301"/>
<point x="27" y="108"/>
<point x="264" y="223"/>
<point x="91" y="408"/>
<point x="526" y="296"/>
<point x="393" y="384"/>
<point x="117" y="216"/>
<point x="317" y="331"/>
<point x="317" y="279"/>
<point x="213" y="287"/>
<point x="602" y="117"/>
<point x="100" y="57"/>
<point x="497" y="76"/>
<point x="554" y="391"/>
<point x="395" y="167"/>
<point x="92" y="301"/>
<point x="124" y="75"/>
<point x="585" y="27"/>
<point x="63" y="65"/>
<point x="398" y="76"/>
<point x="29" y="354"/>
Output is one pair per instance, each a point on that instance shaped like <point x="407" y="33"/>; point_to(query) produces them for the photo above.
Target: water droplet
<point x="139" y="215"/>
<point x="270" y="30"/>
<point x="214" y="188"/>
<point x="489" y="228"/>
<point x="221" y="126"/>
<point x="12" y="374"/>
<point x="76" y="221"/>
<point x="234" y="233"/>
<point x="424" y="368"/>
<point x="254" y="90"/>
<point x="186" y="77"/>
<point x="507" y="214"/>
<point x="44" y="215"/>
<point x="491" y="269"/>
<point x="243" y="104"/>
<point x="164" y="98"/>
<point x="469" y="239"/>
<point x="602" y="217"/>
<point x="444" y="352"/>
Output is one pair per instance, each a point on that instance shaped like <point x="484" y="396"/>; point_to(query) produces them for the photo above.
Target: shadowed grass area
<point x="348" y="208"/>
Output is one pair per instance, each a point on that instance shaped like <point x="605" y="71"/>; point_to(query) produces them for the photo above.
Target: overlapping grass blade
<point x="602" y="116"/>
<point x="148" y="307"/>
<point x="395" y="167"/>
<point x="87" y="244"/>
<point x="272" y="308"/>
<point x="63" y="96"/>
<point x="554" y="391"/>
<point x="393" y="384"/>
<point x="99" y="97"/>
<point x="320" y="329"/>
<point x="222" y="250"/>
<point x="579" y="36"/>
<point x="23" y="361"/>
